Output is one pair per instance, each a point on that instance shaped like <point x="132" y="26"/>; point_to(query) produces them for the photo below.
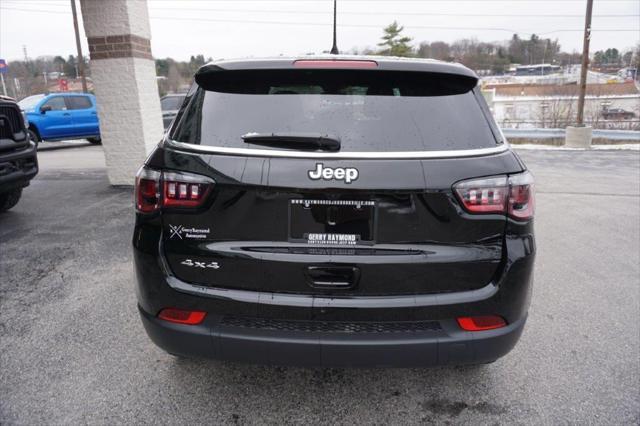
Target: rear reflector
<point x="334" y="63"/>
<point x="181" y="316"/>
<point x="480" y="323"/>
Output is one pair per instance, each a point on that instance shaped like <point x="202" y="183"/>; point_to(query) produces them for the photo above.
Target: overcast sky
<point x="225" y="29"/>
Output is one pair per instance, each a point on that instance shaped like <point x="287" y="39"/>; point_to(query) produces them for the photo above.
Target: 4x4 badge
<point x="347" y="174"/>
<point x="203" y="265"/>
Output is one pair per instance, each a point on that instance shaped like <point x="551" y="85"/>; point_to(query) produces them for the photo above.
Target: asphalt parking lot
<point x="72" y="349"/>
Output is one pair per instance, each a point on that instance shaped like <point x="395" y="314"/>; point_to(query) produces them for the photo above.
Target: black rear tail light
<point x="512" y="195"/>
<point x="155" y="190"/>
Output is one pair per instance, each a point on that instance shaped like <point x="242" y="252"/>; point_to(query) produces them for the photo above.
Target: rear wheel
<point x="95" y="141"/>
<point x="9" y="199"/>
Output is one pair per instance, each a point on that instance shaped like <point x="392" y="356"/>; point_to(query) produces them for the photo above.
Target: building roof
<point x="550" y="90"/>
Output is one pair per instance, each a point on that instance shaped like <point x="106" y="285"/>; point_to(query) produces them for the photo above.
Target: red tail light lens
<point x="184" y="189"/>
<point x="481" y="323"/>
<point x="147" y="190"/>
<point x="155" y="189"/>
<point x="483" y="195"/>
<point x="181" y="316"/>
<point x="513" y="195"/>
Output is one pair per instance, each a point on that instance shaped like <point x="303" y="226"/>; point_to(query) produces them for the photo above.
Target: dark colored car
<point x="18" y="160"/>
<point x="335" y="211"/>
<point x="617" y="114"/>
<point x="60" y="116"/>
<point x="170" y="104"/>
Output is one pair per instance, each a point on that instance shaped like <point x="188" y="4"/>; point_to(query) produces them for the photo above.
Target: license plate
<point x="332" y="222"/>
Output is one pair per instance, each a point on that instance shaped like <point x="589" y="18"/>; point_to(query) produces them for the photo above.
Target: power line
<point x="394" y="1"/>
<point x="362" y="13"/>
<point x="482" y="15"/>
<point x="324" y="24"/>
<point x="58" y="12"/>
<point x="426" y="27"/>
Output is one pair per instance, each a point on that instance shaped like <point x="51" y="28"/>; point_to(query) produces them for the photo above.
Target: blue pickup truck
<point x="60" y="116"/>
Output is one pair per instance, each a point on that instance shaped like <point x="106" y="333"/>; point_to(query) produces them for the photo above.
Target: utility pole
<point x="585" y="63"/>
<point x="80" y="59"/>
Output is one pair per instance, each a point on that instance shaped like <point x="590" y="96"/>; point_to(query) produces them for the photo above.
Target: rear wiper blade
<point x="299" y="141"/>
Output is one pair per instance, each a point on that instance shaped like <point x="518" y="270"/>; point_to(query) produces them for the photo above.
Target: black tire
<point x="474" y="367"/>
<point x="95" y="141"/>
<point x="9" y="199"/>
<point x="34" y="135"/>
<point x="176" y="356"/>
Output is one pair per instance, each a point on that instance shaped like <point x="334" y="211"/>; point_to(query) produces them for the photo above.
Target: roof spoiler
<point x="256" y="80"/>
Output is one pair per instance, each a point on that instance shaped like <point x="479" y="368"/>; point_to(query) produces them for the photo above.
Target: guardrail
<point x="616" y="135"/>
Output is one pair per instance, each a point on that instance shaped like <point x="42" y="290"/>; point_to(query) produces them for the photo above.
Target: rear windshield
<point x="367" y="111"/>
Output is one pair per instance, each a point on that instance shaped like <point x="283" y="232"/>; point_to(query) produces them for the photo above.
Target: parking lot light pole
<point x="80" y="60"/>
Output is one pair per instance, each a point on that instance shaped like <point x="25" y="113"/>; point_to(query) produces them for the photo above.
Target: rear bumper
<point x="18" y="168"/>
<point x="443" y="345"/>
<point x="333" y="330"/>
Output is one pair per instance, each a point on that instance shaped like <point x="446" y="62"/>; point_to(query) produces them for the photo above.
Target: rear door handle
<point x="332" y="276"/>
<point x="66" y="113"/>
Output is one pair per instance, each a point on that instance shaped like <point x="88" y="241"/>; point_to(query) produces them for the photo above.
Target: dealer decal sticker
<point x="180" y="232"/>
<point x="337" y="239"/>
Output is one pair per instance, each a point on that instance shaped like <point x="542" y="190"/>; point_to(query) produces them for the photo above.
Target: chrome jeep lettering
<point x="348" y="174"/>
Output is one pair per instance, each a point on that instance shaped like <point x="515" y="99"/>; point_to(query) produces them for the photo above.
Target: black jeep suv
<point x="334" y="211"/>
<point x="18" y="162"/>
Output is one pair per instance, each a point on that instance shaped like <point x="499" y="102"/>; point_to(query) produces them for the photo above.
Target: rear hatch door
<point x="376" y="216"/>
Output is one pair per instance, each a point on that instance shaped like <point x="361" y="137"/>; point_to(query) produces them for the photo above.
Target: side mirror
<point x="45" y="108"/>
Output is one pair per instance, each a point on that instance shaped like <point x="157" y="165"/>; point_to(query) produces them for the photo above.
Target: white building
<point x="555" y="106"/>
<point x="550" y="74"/>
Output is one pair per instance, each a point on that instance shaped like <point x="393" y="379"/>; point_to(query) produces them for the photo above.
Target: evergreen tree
<point x="393" y="43"/>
